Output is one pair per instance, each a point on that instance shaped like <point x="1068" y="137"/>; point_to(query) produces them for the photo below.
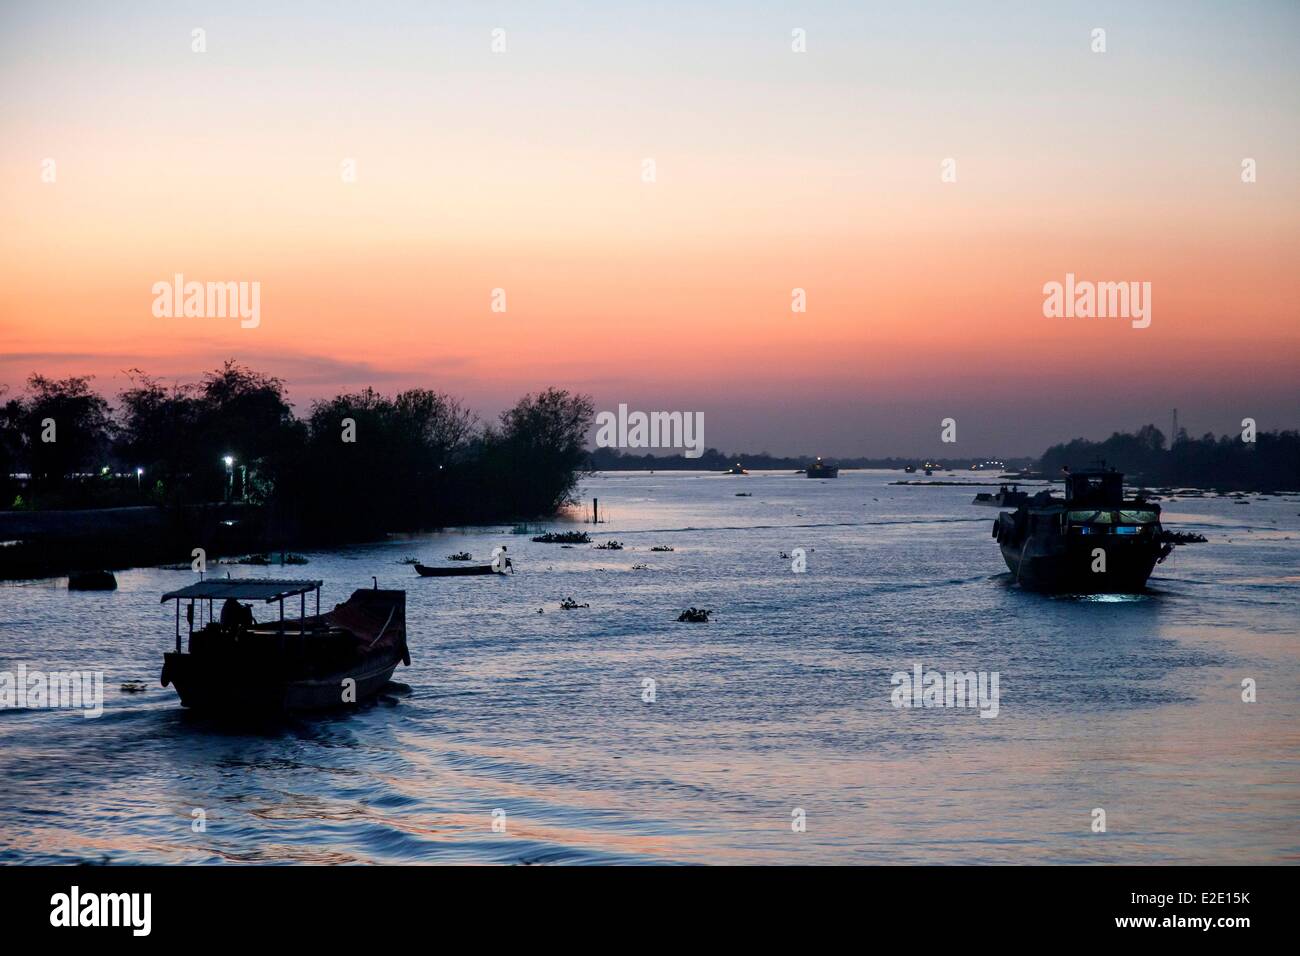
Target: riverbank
<point x="36" y="544"/>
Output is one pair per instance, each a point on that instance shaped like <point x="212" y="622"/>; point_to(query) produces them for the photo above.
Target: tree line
<point x="356" y="465"/>
<point x="612" y="459"/>
<point x="1271" y="462"/>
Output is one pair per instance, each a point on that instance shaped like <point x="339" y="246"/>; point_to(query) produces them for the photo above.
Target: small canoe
<point x="454" y="571"/>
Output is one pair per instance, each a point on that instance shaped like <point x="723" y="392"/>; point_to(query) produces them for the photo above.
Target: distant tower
<point x="1174" y="437"/>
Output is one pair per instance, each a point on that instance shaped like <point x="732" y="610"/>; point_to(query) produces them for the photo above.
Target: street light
<point x="230" y="474"/>
<point x="138" y="473"/>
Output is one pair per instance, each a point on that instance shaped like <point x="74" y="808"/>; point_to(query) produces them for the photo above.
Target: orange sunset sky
<point x="523" y="170"/>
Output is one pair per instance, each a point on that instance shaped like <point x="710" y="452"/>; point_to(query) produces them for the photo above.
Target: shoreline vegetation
<point x="225" y="465"/>
<point x="611" y="459"/>
<point x="1225" y="463"/>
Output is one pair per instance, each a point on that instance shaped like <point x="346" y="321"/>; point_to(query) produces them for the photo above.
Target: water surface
<point x="781" y="703"/>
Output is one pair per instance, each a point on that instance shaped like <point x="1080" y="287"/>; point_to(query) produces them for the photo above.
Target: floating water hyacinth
<point x="563" y="537"/>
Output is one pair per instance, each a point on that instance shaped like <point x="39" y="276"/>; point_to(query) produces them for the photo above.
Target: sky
<point x="525" y="170"/>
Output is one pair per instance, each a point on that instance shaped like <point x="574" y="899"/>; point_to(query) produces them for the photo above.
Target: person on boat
<point x="236" y="615"/>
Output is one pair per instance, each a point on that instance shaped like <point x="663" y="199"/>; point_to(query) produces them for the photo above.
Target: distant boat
<point x="454" y="571"/>
<point x="92" y="581"/>
<point x="736" y="470"/>
<point x="910" y="469"/>
<point x="1004" y="497"/>
<point x="819" y="469"/>
<point x="237" y="666"/>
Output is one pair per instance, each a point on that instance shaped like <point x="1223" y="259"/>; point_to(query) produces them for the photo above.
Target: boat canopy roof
<point x="243" y="589"/>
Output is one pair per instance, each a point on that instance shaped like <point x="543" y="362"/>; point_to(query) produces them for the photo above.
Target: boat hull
<point x="467" y="570"/>
<point x="230" y="688"/>
<point x="1066" y="566"/>
<point x="1000" y="501"/>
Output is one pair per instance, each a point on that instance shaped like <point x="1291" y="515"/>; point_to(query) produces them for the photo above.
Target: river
<point x="615" y="734"/>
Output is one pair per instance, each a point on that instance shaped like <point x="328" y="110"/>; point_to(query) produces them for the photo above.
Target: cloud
<point x="301" y="369"/>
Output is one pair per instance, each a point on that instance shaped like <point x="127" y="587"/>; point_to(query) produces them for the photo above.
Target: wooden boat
<point x="820" y="469"/>
<point x="235" y="665"/>
<point x="453" y="571"/>
<point x="92" y="581"/>
<point x="1094" y="540"/>
<point x="1004" y="497"/>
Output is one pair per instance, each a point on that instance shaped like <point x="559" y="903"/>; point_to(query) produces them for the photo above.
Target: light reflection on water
<point x="1109" y="598"/>
<point x="780" y="702"/>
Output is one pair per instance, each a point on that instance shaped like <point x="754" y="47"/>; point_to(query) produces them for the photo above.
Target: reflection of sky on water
<point x="781" y="702"/>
